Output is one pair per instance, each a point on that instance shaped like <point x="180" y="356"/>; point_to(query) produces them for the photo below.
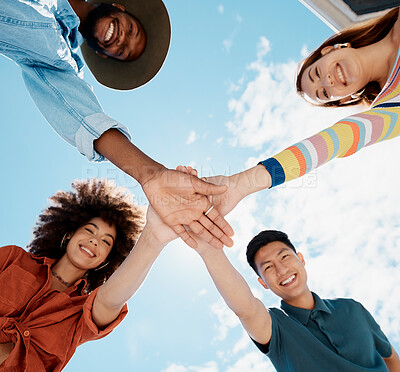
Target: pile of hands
<point x="183" y="205"/>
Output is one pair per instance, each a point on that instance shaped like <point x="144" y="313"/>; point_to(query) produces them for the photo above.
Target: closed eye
<point x="121" y="52"/>
<point x="317" y="73"/>
<point x="89" y="230"/>
<point x="325" y="93"/>
<point x="107" y="242"/>
<point x="130" y="30"/>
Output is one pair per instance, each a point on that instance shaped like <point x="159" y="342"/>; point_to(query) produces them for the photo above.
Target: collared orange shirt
<point x="45" y="325"/>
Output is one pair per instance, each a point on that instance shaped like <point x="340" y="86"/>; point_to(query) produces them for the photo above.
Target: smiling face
<point x="91" y="243"/>
<point x="282" y="271"/>
<point x="336" y="75"/>
<point x="115" y="33"/>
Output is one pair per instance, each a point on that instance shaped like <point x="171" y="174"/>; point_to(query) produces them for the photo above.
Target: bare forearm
<point x="114" y="146"/>
<point x="126" y="280"/>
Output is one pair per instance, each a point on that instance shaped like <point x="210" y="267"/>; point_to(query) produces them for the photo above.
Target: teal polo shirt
<point x="336" y="336"/>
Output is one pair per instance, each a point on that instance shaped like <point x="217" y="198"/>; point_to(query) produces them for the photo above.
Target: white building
<point x="338" y="14"/>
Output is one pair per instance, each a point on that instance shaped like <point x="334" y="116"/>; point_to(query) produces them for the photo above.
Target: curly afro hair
<point x="72" y="209"/>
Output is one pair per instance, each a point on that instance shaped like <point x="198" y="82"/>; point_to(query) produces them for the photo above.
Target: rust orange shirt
<point x="44" y="325"/>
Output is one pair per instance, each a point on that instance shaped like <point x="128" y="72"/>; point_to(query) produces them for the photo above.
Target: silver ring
<point x="208" y="210"/>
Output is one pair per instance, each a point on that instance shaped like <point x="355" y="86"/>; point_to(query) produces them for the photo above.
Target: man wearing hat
<point x="126" y="45"/>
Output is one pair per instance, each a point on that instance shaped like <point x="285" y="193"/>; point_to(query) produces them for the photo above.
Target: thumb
<point x="205" y="188"/>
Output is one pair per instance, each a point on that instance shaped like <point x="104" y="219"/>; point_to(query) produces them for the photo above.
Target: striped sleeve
<point x="344" y="138"/>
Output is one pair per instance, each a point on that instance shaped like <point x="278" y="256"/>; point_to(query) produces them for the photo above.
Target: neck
<point x="304" y="301"/>
<point x="67" y="271"/>
<point x="81" y="8"/>
<point x="378" y="59"/>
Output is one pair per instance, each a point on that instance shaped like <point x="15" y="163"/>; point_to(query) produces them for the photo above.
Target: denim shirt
<point x="42" y="37"/>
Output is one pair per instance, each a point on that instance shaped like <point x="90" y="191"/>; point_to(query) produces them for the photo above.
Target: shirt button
<point x="26" y="333"/>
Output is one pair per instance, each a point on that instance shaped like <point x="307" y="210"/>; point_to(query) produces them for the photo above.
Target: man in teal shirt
<point x="307" y="334"/>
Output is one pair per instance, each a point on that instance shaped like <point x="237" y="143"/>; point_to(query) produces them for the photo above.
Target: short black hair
<point x="262" y="239"/>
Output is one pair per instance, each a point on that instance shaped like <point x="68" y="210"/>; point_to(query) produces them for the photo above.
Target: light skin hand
<point x="161" y="232"/>
<point x="239" y="186"/>
<point x="178" y="198"/>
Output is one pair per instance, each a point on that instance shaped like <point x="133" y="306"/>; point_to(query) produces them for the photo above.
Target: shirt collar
<point x="79" y="285"/>
<point x="303" y="315"/>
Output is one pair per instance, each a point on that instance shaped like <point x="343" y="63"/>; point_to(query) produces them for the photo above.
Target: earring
<point x="104" y="264"/>
<point x="65" y="240"/>
<point x="358" y="94"/>
<point x="341" y="45"/>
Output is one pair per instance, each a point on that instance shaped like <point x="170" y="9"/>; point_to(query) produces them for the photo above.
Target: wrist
<point x="208" y="253"/>
<point x="252" y="180"/>
<point x="150" y="240"/>
<point x="150" y="172"/>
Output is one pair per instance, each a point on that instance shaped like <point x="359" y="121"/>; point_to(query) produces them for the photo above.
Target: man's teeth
<point x="288" y="280"/>
<point x="109" y="32"/>
<point x="87" y="250"/>
<point x="340" y="75"/>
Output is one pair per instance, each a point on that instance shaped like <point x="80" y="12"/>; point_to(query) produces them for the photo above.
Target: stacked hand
<point x="181" y="199"/>
<point x="224" y="202"/>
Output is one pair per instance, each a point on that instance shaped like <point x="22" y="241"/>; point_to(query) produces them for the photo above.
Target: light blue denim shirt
<point x="42" y="37"/>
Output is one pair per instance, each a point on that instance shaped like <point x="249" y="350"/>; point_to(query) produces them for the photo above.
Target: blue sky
<point x="223" y="100"/>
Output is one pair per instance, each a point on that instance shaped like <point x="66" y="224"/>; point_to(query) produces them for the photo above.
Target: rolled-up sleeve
<point x="90" y="331"/>
<point x="69" y="105"/>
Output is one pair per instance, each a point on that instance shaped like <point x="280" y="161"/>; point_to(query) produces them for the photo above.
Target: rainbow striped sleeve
<point x="342" y="139"/>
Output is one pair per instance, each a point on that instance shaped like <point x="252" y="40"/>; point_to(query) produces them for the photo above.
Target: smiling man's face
<point x="114" y="33"/>
<point x="282" y="271"/>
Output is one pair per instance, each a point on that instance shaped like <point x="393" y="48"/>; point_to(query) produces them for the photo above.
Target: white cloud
<point x="242" y="344"/>
<point x="227" y="43"/>
<point x="254" y="362"/>
<point x="192" y="137"/>
<point x="175" y="368"/>
<point x="199" y="294"/>
<point x="263" y="47"/>
<point x="226" y="318"/>
<point x="220" y="9"/>
<point x="207" y="367"/>
<point x="304" y="51"/>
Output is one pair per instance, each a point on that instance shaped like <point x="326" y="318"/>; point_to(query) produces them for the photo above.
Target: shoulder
<point x="12" y="254"/>
<point x="348" y="306"/>
<point x="12" y="251"/>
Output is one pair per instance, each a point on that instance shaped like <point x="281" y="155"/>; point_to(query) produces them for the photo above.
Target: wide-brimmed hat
<point x="115" y="74"/>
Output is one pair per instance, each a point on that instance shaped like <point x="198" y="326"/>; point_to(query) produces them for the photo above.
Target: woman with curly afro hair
<point x="73" y="284"/>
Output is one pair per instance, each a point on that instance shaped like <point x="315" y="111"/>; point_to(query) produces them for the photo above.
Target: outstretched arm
<point x="236" y="293"/>
<point x="127" y="279"/>
<point x="344" y="138"/>
<point x="179" y="198"/>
